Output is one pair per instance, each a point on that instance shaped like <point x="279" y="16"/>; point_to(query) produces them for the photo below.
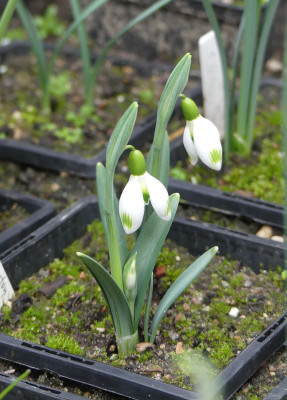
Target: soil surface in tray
<point x="71" y="126"/>
<point x="10" y="216"/>
<point x="197" y="327"/>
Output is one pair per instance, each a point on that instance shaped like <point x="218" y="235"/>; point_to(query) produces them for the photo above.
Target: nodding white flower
<point x="141" y="188"/>
<point x="201" y="138"/>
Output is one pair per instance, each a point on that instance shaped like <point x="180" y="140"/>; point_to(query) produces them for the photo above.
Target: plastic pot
<point x="49" y="241"/>
<point x="40" y="211"/>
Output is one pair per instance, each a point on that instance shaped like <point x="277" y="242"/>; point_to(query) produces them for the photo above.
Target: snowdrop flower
<point x="141" y="188"/>
<point x="201" y="138"/>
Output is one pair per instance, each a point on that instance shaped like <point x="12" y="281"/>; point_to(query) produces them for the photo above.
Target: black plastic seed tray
<point x="32" y="391"/>
<point x="279" y="393"/>
<point x="202" y="196"/>
<point x="124" y="383"/>
<point x="48" y="242"/>
<point x="40" y="211"/>
<point x="38" y="156"/>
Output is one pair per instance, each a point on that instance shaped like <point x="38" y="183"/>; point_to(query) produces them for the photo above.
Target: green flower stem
<point x="127" y="344"/>
<point x="7" y="15"/>
<point x="115" y="259"/>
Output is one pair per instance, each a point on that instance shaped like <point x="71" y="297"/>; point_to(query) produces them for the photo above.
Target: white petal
<point x="158" y="197"/>
<point x="189" y="145"/>
<point x="207" y="142"/>
<point x="131" y="205"/>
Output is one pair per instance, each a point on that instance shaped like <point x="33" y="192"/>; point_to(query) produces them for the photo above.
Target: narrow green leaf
<point x="173" y="88"/>
<point x="179" y="285"/>
<point x="247" y="64"/>
<point x="268" y="19"/>
<point x="83" y="39"/>
<point x="93" y="6"/>
<point x="231" y="128"/>
<point x="101" y="194"/>
<point x="6" y="16"/>
<point x="117" y="302"/>
<point x="147" y="247"/>
<point x="116" y="146"/>
<point x="215" y="26"/>
<point x="13" y="384"/>
<point x="145" y="14"/>
<point x="37" y="46"/>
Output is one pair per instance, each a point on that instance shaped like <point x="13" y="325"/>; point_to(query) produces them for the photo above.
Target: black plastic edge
<point x="40" y="210"/>
<point x="279" y="393"/>
<point x="32" y="391"/>
<point x="242" y="206"/>
<point x="251" y="250"/>
<point x="261" y="348"/>
<point x="49" y="241"/>
<point x="138" y="387"/>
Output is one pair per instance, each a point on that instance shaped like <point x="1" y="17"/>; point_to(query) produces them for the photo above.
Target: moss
<point x="61" y="341"/>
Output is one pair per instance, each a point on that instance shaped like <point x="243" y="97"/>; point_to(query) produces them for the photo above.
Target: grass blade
<point x="38" y="49"/>
<point x="249" y="43"/>
<point x="6" y="16"/>
<point x="261" y="47"/>
<point x="179" y="285"/>
<point x="83" y="39"/>
<point x="145" y="14"/>
<point x="84" y="14"/>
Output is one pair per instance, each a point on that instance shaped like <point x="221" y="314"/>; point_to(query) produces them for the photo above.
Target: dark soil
<point x="11" y="216"/>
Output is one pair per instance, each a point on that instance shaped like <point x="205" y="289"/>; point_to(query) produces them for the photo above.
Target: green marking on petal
<point x="127" y="220"/>
<point x="215" y="156"/>
<point x="167" y="211"/>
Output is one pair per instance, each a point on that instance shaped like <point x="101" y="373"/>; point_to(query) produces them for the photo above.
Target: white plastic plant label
<point x="212" y="80"/>
<point x="6" y="289"/>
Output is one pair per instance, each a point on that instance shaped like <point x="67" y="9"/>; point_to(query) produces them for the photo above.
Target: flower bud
<point x="136" y="163"/>
<point x="130" y="280"/>
<point x="189" y="109"/>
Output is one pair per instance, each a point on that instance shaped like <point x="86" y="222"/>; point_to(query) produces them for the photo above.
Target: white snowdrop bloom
<point x="201" y="139"/>
<point x="138" y="191"/>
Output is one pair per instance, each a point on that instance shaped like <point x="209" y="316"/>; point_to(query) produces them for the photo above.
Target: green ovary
<point x="215" y="156"/>
<point x="127" y="221"/>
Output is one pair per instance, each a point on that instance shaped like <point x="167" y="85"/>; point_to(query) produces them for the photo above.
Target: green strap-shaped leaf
<point x="6" y="16"/>
<point x="83" y="39"/>
<point x="173" y="88"/>
<point x="36" y="44"/>
<point x="147" y="247"/>
<point x="145" y="14"/>
<point x="93" y="6"/>
<point x="269" y="15"/>
<point x="101" y="194"/>
<point x="247" y="63"/>
<point x="116" y="146"/>
<point x="117" y="302"/>
<point x="179" y="285"/>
